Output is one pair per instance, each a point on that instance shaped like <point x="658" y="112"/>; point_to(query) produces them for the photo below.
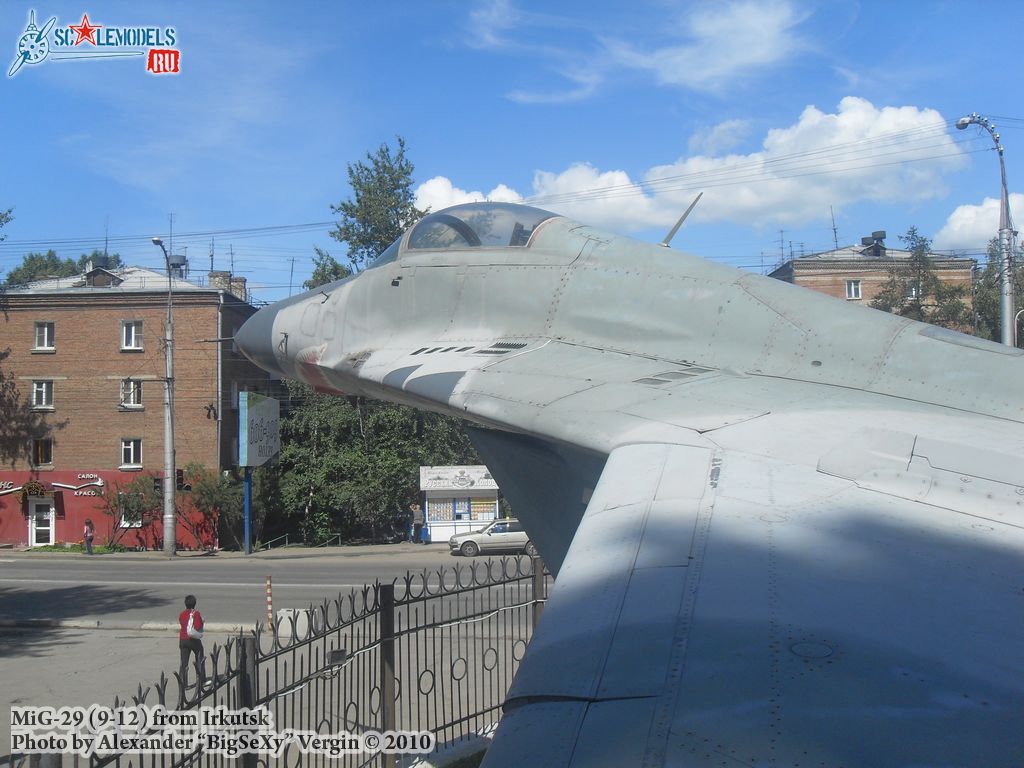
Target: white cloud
<point x="972" y="226"/>
<point x="709" y="46"/>
<point x="439" y="192"/>
<point x="860" y="152"/>
<point x="586" y="84"/>
<point x="722" y="41"/>
<point x="718" y="138"/>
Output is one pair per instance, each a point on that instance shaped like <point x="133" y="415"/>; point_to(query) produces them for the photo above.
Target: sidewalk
<point x="279" y="553"/>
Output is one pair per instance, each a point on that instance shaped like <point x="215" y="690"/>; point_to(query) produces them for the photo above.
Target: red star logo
<point x="86" y="32"/>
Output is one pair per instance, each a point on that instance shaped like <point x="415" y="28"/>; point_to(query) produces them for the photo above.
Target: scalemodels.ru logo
<point x="89" y="40"/>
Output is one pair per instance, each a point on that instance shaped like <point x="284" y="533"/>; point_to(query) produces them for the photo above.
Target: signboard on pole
<point x="258" y="437"/>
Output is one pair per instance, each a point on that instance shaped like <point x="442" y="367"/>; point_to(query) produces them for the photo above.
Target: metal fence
<point x="433" y="651"/>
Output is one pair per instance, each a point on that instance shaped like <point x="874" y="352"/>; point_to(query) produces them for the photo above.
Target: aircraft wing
<point x="717" y="608"/>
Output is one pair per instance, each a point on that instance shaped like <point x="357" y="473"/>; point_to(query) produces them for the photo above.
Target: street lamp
<point x="1005" y="232"/>
<point x="170" y="516"/>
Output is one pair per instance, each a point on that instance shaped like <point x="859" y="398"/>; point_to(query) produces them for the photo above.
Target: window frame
<point x="853" y="290"/>
<point x="137" y="337"/>
<point x="135" y="445"/>
<point x="131" y="394"/>
<point x="35" y="458"/>
<point x="50" y="328"/>
<point x="47" y="392"/>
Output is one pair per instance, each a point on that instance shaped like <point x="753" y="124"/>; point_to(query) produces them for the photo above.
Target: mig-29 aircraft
<point x="786" y="530"/>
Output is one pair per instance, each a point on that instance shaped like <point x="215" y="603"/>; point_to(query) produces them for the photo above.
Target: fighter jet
<point x="787" y="531"/>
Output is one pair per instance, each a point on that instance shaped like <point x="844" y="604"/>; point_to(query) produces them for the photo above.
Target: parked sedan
<point x="506" y="534"/>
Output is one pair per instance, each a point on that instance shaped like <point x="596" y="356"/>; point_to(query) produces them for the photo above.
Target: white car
<point x="505" y="534"/>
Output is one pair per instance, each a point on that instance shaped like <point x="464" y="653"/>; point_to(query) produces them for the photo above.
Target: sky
<point x="788" y="115"/>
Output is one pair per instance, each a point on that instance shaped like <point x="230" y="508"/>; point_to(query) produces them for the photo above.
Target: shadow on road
<point x="84" y="602"/>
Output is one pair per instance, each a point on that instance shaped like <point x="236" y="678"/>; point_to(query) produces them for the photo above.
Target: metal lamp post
<point x="1005" y="232"/>
<point x="170" y="517"/>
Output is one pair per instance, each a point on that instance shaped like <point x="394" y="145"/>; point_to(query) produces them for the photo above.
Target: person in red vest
<point x="190" y="641"/>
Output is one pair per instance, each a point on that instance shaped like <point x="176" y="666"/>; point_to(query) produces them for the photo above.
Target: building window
<point x="42" y="395"/>
<point x="131" y="334"/>
<point x="44" y="337"/>
<point x="853" y="289"/>
<point x="42" y="452"/>
<point x="131" y="452"/>
<point x="131" y="393"/>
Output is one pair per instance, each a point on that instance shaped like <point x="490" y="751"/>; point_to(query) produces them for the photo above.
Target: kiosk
<point x="457" y="499"/>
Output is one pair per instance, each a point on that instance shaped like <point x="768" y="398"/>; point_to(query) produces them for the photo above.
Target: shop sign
<point x="258" y="437"/>
<point x="93" y="485"/>
<point x="475" y="477"/>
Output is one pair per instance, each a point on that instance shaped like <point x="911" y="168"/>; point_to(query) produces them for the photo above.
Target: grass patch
<point x="97" y="549"/>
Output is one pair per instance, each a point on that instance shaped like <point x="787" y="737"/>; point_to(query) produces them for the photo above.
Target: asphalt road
<point x="131" y="588"/>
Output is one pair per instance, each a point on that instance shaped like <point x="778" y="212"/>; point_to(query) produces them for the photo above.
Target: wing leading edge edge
<point x="716" y="608"/>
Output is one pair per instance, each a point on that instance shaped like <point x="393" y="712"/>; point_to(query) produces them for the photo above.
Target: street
<point x="75" y="665"/>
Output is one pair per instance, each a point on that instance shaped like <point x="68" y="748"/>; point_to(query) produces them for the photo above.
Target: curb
<point x="148" y="626"/>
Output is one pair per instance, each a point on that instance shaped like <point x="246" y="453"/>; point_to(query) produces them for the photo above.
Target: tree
<point x="216" y="497"/>
<point x="326" y="269"/>
<point x="19" y="423"/>
<point x="38" y="266"/>
<point x="351" y="466"/>
<point x="914" y="290"/>
<point x="5" y="219"/>
<point x="988" y="292"/>
<point x="381" y="208"/>
<point x="113" y="260"/>
<point x="135" y="503"/>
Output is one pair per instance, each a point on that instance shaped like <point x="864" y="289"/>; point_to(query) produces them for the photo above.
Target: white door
<point x="40" y="522"/>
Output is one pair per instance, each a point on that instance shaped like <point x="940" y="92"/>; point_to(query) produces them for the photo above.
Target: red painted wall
<point x="81" y="502"/>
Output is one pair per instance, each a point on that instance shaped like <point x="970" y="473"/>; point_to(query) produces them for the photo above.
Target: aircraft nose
<point x="256" y="339"/>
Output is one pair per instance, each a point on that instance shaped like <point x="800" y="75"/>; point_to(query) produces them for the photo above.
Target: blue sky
<point x="614" y="113"/>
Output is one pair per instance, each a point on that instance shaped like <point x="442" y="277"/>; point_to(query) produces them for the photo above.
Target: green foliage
<point x="987" y="292"/>
<point x="216" y="497"/>
<point x="136" y="502"/>
<point x="18" y="422"/>
<point x="5" y="219"/>
<point x="914" y="290"/>
<point x="326" y="269"/>
<point x="113" y="260"/>
<point x="102" y="549"/>
<point x="38" y="266"/>
<point x="381" y="208"/>
<point x="351" y="466"/>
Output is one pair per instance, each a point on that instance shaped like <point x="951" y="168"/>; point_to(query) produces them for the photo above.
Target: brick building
<point x="83" y="393"/>
<point x="858" y="272"/>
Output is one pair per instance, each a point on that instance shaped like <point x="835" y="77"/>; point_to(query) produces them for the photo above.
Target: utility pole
<point x="170" y="515"/>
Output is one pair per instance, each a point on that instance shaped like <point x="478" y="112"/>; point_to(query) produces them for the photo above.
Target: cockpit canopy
<point x="472" y="225"/>
<point x="477" y="225"/>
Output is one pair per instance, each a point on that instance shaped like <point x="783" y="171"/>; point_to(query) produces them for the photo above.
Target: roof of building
<point x="120" y="280"/>
<point x="870" y="252"/>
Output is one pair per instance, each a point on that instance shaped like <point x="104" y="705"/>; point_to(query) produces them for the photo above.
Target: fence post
<point x="386" y="605"/>
<point x="538" y="594"/>
<point x="245" y="685"/>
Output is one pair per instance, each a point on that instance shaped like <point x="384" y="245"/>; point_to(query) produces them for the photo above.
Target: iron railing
<point x="433" y="651"/>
